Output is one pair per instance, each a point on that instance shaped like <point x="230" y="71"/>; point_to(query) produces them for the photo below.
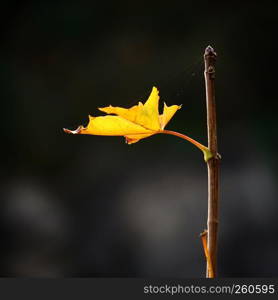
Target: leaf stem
<point x="204" y="149"/>
<point x="213" y="163"/>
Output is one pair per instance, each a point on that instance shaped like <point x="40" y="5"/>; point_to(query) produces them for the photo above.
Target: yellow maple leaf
<point x="135" y="123"/>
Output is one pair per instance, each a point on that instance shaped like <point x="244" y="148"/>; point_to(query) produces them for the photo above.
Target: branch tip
<point x="210" y="52"/>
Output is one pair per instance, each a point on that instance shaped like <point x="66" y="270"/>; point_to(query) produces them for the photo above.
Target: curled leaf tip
<point x="76" y="131"/>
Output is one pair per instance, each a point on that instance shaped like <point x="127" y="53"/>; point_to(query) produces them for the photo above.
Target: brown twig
<point x="213" y="163"/>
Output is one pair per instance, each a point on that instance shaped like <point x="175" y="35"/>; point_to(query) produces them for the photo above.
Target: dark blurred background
<point x="94" y="206"/>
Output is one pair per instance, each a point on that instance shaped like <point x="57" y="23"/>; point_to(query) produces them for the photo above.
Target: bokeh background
<point x="93" y="206"/>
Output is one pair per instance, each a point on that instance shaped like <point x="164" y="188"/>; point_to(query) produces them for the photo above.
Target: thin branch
<point x="213" y="163"/>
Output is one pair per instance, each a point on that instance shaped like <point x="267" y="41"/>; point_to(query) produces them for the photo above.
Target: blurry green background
<point x="94" y="206"/>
